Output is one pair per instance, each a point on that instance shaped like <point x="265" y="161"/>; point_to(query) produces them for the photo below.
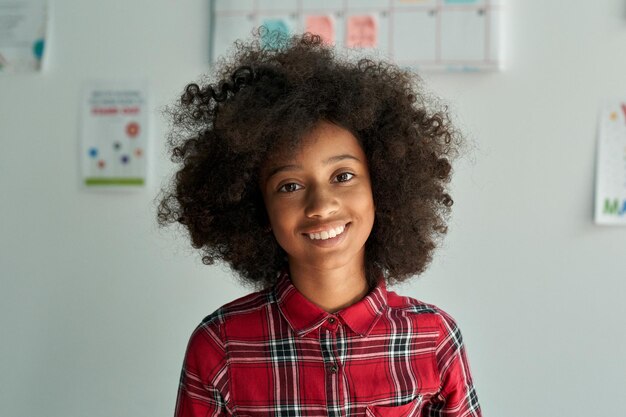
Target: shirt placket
<point x="329" y="341"/>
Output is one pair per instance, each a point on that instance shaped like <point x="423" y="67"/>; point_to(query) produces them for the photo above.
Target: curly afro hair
<point x="262" y="101"/>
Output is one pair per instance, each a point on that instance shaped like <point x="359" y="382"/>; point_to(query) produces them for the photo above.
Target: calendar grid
<point x="437" y="35"/>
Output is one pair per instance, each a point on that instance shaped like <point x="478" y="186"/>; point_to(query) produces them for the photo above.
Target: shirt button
<point x="331" y="320"/>
<point x="333" y="369"/>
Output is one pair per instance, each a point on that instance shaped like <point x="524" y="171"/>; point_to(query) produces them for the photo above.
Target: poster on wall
<point x="610" y="204"/>
<point x="114" y="134"/>
<point x="440" y="35"/>
<point x="22" y="35"/>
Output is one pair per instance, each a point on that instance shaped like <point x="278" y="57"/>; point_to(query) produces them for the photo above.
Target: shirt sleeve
<point x="457" y="396"/>
<point x="204" y="378"/>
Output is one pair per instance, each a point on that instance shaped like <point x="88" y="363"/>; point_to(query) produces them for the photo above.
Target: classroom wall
<point x="97" y="303"/>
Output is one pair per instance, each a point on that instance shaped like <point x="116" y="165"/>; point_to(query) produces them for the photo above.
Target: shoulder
<point x="426" y="314"/>
<point x="241" y="310"/>
<point x="207" y="346"/>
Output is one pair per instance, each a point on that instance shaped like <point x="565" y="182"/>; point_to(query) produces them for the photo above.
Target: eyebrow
<point x="292" y="167"/>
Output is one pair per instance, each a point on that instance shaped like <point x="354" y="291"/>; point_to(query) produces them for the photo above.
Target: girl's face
<point x="319" y="201"/>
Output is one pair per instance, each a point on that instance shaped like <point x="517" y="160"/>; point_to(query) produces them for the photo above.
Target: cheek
<point x="282" y="219"/>
<point x="366" y="203"/>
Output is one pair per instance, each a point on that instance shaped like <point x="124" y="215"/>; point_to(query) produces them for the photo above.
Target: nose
<point x="320" y="202"/>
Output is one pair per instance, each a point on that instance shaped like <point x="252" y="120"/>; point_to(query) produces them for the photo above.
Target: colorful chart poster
<point x="114" y="134"/>
<point x="610" y="205"/>
<point x="22" y="35"/>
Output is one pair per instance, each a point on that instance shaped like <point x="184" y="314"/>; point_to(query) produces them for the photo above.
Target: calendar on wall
<point x="453" y="35"/>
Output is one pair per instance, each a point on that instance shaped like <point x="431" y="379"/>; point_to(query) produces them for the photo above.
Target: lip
<point x="331" y="241"/>
<point x="326" y="227"/>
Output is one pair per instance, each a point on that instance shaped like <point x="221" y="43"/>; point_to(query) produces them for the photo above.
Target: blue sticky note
<point x="276" y="32"/>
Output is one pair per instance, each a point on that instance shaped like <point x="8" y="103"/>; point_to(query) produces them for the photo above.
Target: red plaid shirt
<point x="275" y="353"/>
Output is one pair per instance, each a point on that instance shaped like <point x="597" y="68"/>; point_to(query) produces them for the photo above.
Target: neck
<point x="330" y="289"/>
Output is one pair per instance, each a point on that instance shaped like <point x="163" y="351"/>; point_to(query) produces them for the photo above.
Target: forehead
<point x="323" y="141"/>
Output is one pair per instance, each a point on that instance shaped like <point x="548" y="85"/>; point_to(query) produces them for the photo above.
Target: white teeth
<point x="327" y="234"/>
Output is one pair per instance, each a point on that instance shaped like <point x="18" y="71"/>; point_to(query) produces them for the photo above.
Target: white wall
<point x="97" y="304"/>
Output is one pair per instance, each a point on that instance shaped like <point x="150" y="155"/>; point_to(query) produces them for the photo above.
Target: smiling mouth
<point x="327" y="234"/>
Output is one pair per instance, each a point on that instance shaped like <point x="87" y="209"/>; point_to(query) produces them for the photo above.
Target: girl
<point x="320" y="181"/>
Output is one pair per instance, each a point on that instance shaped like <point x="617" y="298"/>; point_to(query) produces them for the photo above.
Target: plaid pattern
<point x="274" y="353"/>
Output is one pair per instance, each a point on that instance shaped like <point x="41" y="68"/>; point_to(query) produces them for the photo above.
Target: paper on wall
<point x="323" y="26"/>
<point x="362" y="31"/>
<point x="114" y="134"/>
<point x="610" y="204"/>
<point x="22" y="35"/>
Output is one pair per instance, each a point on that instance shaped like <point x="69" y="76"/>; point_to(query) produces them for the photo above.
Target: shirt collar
<point x="303" y="316"/>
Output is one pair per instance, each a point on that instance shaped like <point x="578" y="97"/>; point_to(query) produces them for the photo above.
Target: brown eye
<point x="289" y="187"/>
<point x="344" y="176"/>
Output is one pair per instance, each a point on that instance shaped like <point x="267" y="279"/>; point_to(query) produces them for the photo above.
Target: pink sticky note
<point x="321" y="25"/>
<point x="362" y="31"/>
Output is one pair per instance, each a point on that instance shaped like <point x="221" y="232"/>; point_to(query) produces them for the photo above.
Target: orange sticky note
<point x="362" y="31"/>
<point x="321" y="25"/>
